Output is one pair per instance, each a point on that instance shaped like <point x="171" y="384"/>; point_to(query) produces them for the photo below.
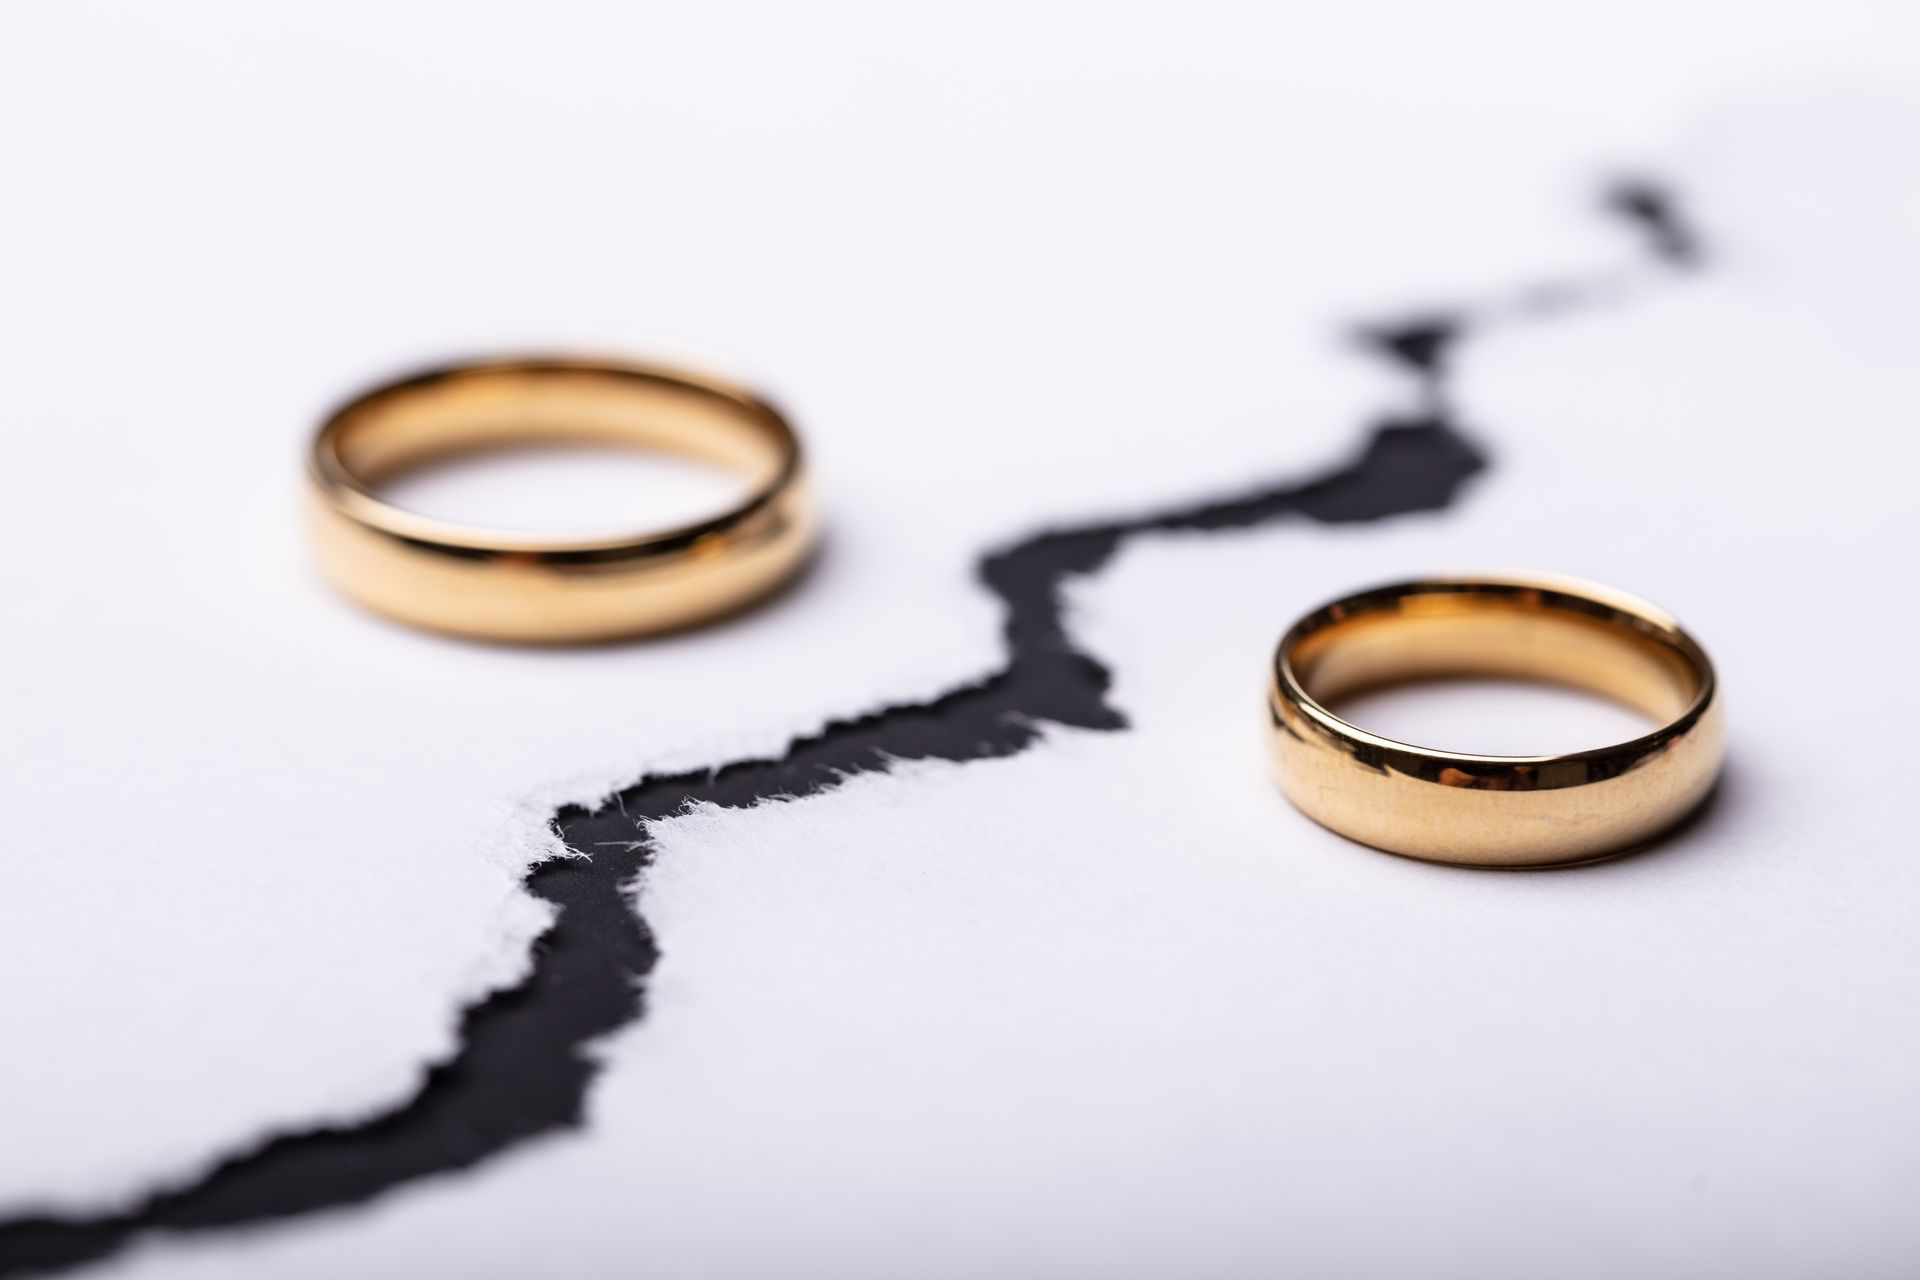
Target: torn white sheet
<point x="1112" y="1008"/>
<point x="1014" y="267"/>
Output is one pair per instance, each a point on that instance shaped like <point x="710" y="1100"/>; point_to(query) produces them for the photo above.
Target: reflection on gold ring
<point x="1508" y="811"/>
<point x="532" y="588"/>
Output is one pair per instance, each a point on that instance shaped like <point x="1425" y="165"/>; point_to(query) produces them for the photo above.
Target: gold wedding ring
<point x="478" y="582"/>
<point x="1496" y="811"/>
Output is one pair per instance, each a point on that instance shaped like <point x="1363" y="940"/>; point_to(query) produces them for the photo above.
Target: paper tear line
<point x="525" y="1061"/>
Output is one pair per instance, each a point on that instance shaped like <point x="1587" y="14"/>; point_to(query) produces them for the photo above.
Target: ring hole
<point x="564" y="488"/>
<point x="1486" y="716"/>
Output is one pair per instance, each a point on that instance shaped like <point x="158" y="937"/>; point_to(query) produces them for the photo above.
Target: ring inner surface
<point x="1372" y="642"/>
<point x="475" y="410"/>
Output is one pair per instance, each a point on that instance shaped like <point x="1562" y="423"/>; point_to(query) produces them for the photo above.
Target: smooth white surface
<point x="582" y="489"/>
<point x="1109" y="1006"/>
<point x="1492" y="717"/>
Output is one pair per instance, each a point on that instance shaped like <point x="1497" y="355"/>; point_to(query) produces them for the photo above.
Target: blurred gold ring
<point x="478" y="582"/>
<point x="1497" y="811"/>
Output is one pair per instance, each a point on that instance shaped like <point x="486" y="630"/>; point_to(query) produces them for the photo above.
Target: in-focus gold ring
<point x="1500" y="811"/>
<point x="533" y="588"/>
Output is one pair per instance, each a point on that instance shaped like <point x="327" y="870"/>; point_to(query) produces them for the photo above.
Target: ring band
<point x="1496" y="811"/>
<point x="479" y="582"/>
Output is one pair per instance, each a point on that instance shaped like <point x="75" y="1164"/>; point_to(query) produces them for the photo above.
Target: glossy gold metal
<point x="1494" y="811"/>
<point x="532" y="588"/>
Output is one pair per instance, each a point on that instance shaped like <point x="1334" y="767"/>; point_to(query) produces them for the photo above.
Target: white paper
<point x="1106" y="1007"/>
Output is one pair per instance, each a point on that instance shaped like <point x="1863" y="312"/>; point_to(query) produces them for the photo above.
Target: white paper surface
<point x="1108" y="1007"/>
